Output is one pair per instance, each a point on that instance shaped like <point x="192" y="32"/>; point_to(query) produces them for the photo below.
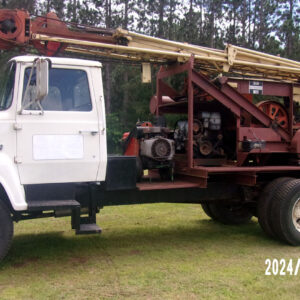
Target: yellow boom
<point x="144" y="48"/>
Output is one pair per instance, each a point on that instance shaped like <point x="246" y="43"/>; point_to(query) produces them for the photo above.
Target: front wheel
<point x="6" y="230"/>
<point x="229" y="213"/>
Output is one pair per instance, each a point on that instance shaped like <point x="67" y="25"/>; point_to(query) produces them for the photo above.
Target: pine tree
<point x="288" y="28"/>
<point x="29" y="5"/>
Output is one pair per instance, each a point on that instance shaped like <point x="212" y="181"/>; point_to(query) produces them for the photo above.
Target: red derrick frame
<point x="50" y="25"/>
<point x="237" y="101"/>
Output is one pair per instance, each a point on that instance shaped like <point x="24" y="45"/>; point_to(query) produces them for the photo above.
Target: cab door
<point x="58" y="140"/>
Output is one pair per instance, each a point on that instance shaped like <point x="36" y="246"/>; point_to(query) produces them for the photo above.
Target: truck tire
<point x="265" y="203"/>
<point x="230" y="213"/>
<point x="286" y="212"/>
<point x="6" y="230"/>
<point x="206" y="209"/>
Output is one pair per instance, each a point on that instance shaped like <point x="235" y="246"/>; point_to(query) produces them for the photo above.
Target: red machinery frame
<point x="278" y="140"/>
<point x="23" y="30"/>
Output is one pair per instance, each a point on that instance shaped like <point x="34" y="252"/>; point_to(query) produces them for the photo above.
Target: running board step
<point x="52" y="205"/>
<point x="88" y="229"/>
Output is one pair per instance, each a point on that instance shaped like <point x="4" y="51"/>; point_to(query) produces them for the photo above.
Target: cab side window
<point x="68" y="91"/>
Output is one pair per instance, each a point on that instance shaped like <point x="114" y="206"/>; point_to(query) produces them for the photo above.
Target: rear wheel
<point x="285" y="212"/>
<point x="6" y="230"/>
<point x="265" y="203"/>
<point x="229" y="213"/>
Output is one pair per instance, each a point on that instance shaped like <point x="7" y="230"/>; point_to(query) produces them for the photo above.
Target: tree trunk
<point x="212" y="27"/>
<point x="201" y="21"/>
<point x="249" y="22"/>
<point x="255" y="26"/>
<point x="289" y="42"/>
<point x="125" y="77"/>
<point x="161" y="19"/>
<point x="190" y="23"/>
<point x="74" y="17"/>
<point x="125" y="99"/>
<point x="234" y="23"/>
<point x="171" y="19"/>
<point x="125" y="22"/>
<point x="244" y="22"/>
<point x="261" y="27"/>
<point x="108" y="65"/>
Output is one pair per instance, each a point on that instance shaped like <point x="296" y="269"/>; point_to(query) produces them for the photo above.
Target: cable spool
<point x="13" y="28"/>
<point x="275" y="111"/>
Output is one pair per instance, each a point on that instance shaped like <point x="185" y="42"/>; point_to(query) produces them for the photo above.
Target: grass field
<point x="158" y="251"/>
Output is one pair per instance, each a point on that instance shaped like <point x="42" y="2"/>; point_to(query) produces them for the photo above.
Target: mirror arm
<point x="40" y="107"/>
<point x="27" y="89"/>
<point x="38" y="102"/>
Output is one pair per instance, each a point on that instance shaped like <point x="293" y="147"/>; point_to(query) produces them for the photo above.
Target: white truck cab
<point x="59" y="139"/>
<point x="53" y="153"/>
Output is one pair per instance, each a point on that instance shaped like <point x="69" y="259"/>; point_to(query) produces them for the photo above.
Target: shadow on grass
<point x="203" y="235"/>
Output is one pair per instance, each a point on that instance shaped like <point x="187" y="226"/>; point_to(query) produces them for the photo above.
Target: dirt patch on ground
<point x="135" y="252"/>
<point x="78" y="260"/>
<point x="26" y="262"/>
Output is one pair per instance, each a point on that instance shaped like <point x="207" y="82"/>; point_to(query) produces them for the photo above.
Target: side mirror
<point x="42" y="78"/>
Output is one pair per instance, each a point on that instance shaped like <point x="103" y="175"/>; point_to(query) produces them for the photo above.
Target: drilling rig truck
<point x="235" y="157"/>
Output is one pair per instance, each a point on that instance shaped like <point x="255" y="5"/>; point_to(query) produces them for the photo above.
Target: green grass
<point x="158" y="251"/>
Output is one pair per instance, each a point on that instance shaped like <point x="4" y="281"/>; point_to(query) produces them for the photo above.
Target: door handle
<point x="92" y="132"/>
<point x="103" y="130"/>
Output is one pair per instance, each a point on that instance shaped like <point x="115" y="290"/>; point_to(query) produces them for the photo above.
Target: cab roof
<point x="59" y="61"/>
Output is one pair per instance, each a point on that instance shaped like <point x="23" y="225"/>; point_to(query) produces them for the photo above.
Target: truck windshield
<point x="7" y="86"/>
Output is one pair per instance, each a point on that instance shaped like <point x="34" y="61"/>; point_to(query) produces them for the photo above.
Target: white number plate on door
<point x="57" y="147"/>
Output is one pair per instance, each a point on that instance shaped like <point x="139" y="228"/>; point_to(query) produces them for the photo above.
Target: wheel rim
<point x="296" y="215"/>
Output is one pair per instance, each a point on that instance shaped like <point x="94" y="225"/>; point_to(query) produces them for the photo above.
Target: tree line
<point x="271" y="26"/>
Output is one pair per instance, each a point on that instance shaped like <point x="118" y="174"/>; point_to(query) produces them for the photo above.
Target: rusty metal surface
<point x="13" y="28"/>
<point x="190" y="113"/>
<point x="178" y="184"/>
<point x="270" y="88"/>
<point x="252" y="109"/>
<point x="233" y="169"/>
<point x="51" y="25"/>
<point x="205" y="84"/>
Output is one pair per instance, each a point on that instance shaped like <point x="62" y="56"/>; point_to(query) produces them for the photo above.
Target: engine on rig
<point x="207" y="135"/>
<point x="152" y="147"/>
<point x="156" y="146"/>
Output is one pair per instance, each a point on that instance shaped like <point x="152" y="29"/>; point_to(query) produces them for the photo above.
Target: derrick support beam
<point x="173" y="70"/>
<point x="190" y="113"/>
<point x="270" y="88"/>
<point x="167" y="90"/>
<point x="204" y="83"/>
<point x="162" y="87"/>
